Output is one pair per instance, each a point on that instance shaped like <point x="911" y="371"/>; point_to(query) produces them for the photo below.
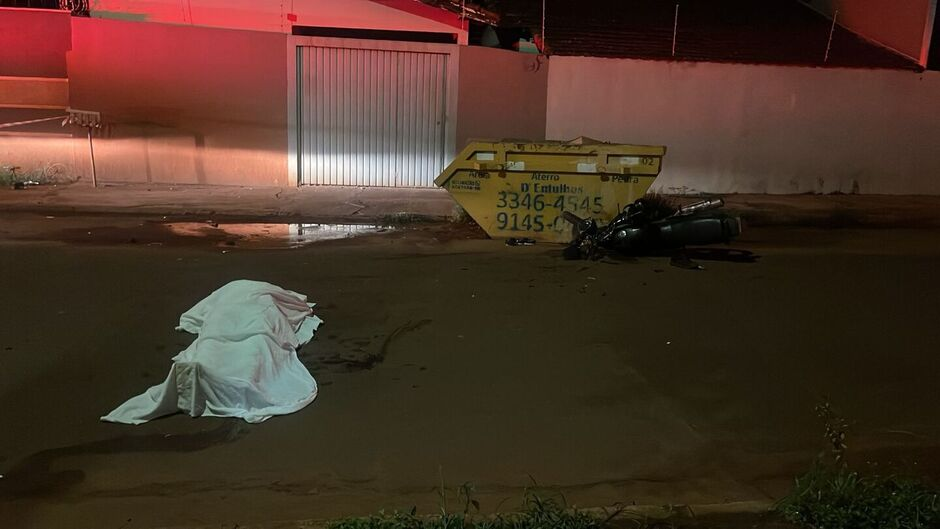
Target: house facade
<point x="358" y="92"/>
<point x="385" y="92"/>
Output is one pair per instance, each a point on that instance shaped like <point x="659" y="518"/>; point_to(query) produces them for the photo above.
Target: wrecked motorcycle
<point x="652" y="226"/>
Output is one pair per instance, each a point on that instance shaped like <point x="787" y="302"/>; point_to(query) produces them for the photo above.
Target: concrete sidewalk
<point x="356" y="204"/>
<point x="323" y="204"/>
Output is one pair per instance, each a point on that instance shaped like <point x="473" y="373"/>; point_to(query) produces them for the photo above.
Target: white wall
<point x="272" y="15"/>
<point x="501" y="95"/>
<point x="733" y="128"/>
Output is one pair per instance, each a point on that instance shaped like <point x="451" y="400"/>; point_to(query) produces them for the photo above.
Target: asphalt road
<point x="454" y="358"/>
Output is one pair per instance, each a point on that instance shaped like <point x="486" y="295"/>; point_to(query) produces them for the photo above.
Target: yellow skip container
<point x="521" y="189"/>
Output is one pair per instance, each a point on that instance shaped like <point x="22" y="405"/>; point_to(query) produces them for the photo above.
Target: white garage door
<point x="370" y="117"/>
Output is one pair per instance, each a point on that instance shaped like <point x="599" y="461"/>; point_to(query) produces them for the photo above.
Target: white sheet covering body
<point x="243" y="362"/>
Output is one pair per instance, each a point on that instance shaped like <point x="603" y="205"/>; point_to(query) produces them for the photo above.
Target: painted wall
<point x="183" y="104"/>
<point x="33" y="42"/>
<point x="501" y="94"/>
<point x="758" y="129"/>
<point x="34" y="92"/>
<point x="902" y="25"/>
<point x="272" y="15"/>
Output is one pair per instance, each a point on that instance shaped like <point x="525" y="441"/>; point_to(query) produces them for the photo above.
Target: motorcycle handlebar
<point x="704" y="205"/>
<point x="572" y="218"/>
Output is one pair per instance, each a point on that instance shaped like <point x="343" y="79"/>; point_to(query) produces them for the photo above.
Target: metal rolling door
<point x="371" y="117"/>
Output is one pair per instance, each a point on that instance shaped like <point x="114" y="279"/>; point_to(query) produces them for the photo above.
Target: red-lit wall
<point x="183" y="104"/>
<point x="276" y="15"/>
<point x="33" y="42"/>
<point x="198" y="105"/>
<point x="898" y="24"/>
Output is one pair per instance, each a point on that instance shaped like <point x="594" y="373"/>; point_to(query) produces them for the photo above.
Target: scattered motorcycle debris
<point x="520" y="241"/>
<point x="24" y="184"/>
<point x="652" y="226"/>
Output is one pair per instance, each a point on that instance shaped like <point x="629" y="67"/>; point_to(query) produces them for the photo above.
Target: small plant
<point x="836" y="429"/>
<point x="51" y="174"/>
<point x="466" y="492"/>
<point x="831" y="496"/>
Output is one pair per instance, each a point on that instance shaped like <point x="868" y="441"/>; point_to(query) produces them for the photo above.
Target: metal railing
<point x="76" y="7"/>
<point x="31" y="4"/>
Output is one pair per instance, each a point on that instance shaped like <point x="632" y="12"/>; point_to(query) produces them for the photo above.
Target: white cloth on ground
<point x="243" y="362"/>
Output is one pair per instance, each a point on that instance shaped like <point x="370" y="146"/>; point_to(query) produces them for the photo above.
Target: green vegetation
<point x="7" y="177"/>
<point x="828" y="498"/>
<point x="538" y="513"/>
<point x="831" y="496"/>
<point x="54" y="173"/>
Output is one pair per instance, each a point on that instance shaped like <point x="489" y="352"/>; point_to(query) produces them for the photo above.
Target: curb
<point x="631" y="513"/>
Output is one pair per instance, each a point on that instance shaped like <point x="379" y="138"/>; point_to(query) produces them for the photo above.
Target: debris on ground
<point x="520" y="241"/>
<point x="651" y="226"/>
<point x="682" y="260"/>
<point x="24" y="184"/>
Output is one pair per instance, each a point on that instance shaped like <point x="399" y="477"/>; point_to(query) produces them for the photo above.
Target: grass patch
<point x="6" y="177"/>
<point x="831" y="496"/>
<point x="48" y="174"/>
<point x="538" y="514"/>
<point x="827" y="498"/>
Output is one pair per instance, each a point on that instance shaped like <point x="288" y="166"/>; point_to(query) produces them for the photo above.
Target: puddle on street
<point x="206" y="232"/>
<point x="271" y="234"/>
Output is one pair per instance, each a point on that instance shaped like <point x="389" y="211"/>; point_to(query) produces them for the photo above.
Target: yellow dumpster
<point x="517" y="189"/>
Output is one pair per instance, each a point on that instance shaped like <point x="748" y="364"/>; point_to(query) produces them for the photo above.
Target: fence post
<point x="675" y="27"/>
<point x="832" y="29"/>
